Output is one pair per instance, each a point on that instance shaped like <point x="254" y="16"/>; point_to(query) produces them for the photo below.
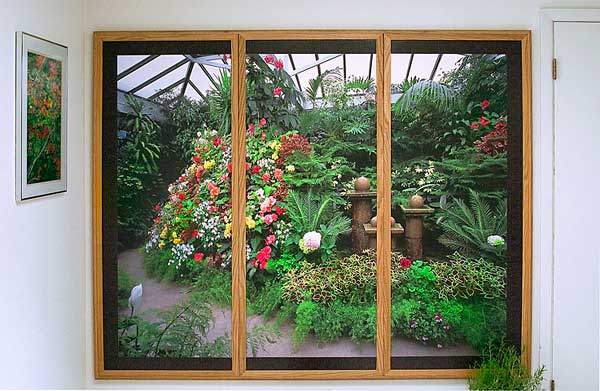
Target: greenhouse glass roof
<point x="152" y="76"/>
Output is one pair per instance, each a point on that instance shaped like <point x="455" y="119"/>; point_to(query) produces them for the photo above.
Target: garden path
<point x="163" y="295"/>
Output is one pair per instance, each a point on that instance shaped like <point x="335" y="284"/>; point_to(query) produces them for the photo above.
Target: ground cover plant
<point x="449" y="139"/>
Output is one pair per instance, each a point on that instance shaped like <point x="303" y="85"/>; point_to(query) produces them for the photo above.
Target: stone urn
<point x="374" y="221"/>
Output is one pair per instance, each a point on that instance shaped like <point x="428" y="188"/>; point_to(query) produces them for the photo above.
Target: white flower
<point x="495" y="240"/>
<point x="135" y="298"/>
<point x="310" y="242"/>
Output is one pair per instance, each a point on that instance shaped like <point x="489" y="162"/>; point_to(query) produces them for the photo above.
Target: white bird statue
<point x="135" y="298"/>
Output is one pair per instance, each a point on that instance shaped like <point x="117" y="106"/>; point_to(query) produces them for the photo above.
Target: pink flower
<point x="262" y="122"/>
<point x="269" y="59"/>
<point x="474" y="126"/>
<point x="267" y="204"/>
<point x="266" y="177"/>
<point x="269" y="219"/>
<point x="278" y="173"/>
<point x="270" y="240"/>
<point x="279" y="64"/>
<point x="157" y="207"/>
<point x="484" y="121"/>
<point x="251" y="129"/>
<point x="277" y="91"/>
<point x="485" y="104"/>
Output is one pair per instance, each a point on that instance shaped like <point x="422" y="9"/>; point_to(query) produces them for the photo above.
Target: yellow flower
<point x="275" y="156"/>
<point x="251" y="224"/>
<point x="161" y="245"/>
<point x="290" y="168"/>
<point x="227" y="232"/>
<point x="174" y="235"/>
<point x="164" y="232"/>
<point x="209" y="164"/>
<point x="176" y="241"/>
<point x="177" y="219"/>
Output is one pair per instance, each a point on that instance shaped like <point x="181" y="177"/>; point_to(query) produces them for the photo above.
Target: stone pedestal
<point x="362" y="204"/>
<point x="414" y="229"/>
<point x="397" y="231"/>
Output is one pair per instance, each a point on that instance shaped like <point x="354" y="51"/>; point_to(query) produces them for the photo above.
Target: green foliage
<point x="502" y="369"/>
<point x="313" y="212"/>
<point x="141" y="136"/>
<point x="219" y="102"/>
<point x="283" y="264"/>
<point x="265" y="300"/>
<point x="464" y="278"/>
<point x="179" y="332"/>
<point x="306" y="313"/>
<point x="124" y="286"/>
<point x="483" y="323"/>
<point x="261" y="80"/>
<point x="261" y="335"/>
<point x="467" y="228"/>
<point x="215" y="285"/>
<point x="441" y="96"/>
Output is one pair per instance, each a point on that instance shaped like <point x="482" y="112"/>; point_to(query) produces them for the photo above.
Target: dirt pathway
<point x="162" y="296"/>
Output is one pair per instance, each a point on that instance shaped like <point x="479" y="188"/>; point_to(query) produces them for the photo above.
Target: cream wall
<point x="42" y="242"/>
<point x="305" y="14"/>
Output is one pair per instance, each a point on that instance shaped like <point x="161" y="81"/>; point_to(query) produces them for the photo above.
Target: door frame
<point x="544" y="149"/>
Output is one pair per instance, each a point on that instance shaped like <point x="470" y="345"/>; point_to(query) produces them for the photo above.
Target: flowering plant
<point x="194" y="224"/>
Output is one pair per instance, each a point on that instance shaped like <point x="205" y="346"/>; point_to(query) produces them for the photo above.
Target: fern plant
<point x="219" y="101"/>
<point x="312" y="212"/>
<point x="467" y="228"/>
<point x="415" y="92"/>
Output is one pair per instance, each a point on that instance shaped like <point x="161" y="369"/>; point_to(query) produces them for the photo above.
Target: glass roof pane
<point x="422" y="65"/>
<point x="357" y="65"/>
<point x="124" y="62"/>
<point x="191" y="93"/>
<point x="399" y="66"/>
<point x="200" y="80"/>
<point x="448" y="63"/>
<point x="163" y="82"/>
<point x="149" y="70"/>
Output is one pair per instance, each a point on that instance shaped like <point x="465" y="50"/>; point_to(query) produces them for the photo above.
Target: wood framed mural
<point x="41" y="117"/>
<point x="310" y="204"/>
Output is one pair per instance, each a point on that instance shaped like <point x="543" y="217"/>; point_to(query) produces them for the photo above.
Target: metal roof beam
<point x="293" y="69"/>
<point x="197" y="90"/>
<point x="158" y="76"/>
<point x="410" y="61"/>
<point x="435" y="66"/>
<point x="209" y="60"/>
<point x="314" y="64"/>
<point x="188" y="75"/>
<point x="166" y="89"/>
<point x="136" y="66"/>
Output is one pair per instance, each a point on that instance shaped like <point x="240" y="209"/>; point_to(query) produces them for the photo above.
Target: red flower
<point x="279" y="64"/>
<point x="405" y="263"/>
<point x="182" y="179"/>
<point x="195" y="233"/>
<point x="225" y="57"/>
<point x="217" y="141"/>
<point x="262" y="122"/>
<point x="211" y="209"/>
<point x="266" y="177"/>
<point x="251" y="129"/>
<point x="485" y="104"/>
<point x="181" y="196"/>
<point x="277" y="173"/>
<point x="279" y="210"/>
<point x="198" y="257"/>
<point x="263" y="136"/>
<point x="157" y="219"/>
<point x="270" y="240"/>
<point x="263" y="256"/>
<point x="157" y="207"/>
<point x="277" y="91"/>
<point x="247" y="166"/>
<point x="438" y="318"/>
<point x="229" y="166"/>
<point x="255" y="170"/>
<point x="474" y="126"/>
<point x="196" y="159"/>
<point x="483" y="121"/>
<point x="269" y="59"/>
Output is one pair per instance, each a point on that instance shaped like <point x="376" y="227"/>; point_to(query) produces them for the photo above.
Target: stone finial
<point x="362" y="184"/>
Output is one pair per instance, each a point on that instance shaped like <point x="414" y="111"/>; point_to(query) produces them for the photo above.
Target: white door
<point x="577" y="206"/>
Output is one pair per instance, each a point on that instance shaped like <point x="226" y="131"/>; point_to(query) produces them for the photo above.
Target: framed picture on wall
<point x="41" y="117"/>
<point x="310" y="204"/>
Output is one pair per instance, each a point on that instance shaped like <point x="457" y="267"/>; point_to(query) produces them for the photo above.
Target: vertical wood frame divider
<point x="238" y="145"/>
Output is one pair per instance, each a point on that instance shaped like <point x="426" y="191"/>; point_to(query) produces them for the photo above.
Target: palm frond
<point x="438" y="94"/>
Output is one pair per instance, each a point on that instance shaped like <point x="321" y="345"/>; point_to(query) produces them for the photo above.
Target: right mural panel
<point x="457" y="199"/>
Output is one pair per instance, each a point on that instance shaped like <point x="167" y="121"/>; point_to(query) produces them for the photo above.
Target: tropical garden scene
<point x="311" y="205"/>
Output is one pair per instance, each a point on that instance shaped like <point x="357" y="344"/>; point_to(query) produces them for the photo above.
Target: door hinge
<point x="552" y="385"/>
<point x="554" y="69"/>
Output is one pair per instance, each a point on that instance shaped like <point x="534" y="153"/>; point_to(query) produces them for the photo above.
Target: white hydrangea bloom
<point x="495" y="240"/>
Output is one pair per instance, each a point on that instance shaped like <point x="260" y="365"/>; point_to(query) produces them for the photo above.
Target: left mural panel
<point x="167" y="205"/>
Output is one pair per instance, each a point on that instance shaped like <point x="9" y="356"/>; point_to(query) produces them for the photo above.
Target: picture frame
<point x="41" y="117"/>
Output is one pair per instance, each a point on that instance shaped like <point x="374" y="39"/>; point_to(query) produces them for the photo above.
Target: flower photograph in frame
<point x="41" y="117"/>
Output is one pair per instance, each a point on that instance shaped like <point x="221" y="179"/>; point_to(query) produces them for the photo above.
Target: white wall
<point x="393" y="14"/>
<point x="42" y="242"/>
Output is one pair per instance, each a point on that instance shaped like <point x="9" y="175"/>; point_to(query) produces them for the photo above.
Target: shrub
<point x="502" y="369"/>
<point x="484" y="323"/>
<point x="306" y="313"/>
<point x="468" y="228"/>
